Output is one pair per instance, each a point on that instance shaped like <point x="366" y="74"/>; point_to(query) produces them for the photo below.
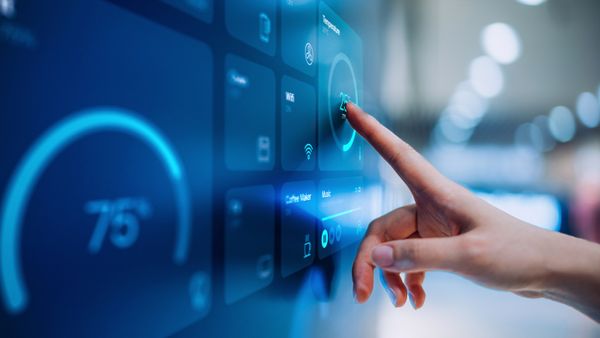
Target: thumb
<point x="419" y="254"/>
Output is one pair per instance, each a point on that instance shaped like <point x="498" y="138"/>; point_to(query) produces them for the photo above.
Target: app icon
<point x="324" y="238"/>
<point x="263" y="149"/>
<point x="264" y="266"/>
<point x="299" y="34"/>
<point x="249" y="241"/>
<point x="264" y="27"/>
<point x="307" y="246"/>
<point x="249" y="132"/>
<point x="344" y="99"/>
<point x="253" y="22"/>
<point x="308" y="150"/>
<point x="298" y="203"/>
<point x="298" y="125"/>
<point x="309" y="54"/>
<point x="341" y="213"/>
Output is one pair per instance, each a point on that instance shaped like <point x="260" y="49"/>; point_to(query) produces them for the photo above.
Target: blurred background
<point x="500" y="95"/>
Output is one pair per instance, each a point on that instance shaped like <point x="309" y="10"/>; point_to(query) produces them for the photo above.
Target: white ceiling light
<point x="501" y="42"/>
<point x="562" y="124"/>
<point x="531" y="2"/>
<point x="588" y="110"/>
<point x="485" y="77"/>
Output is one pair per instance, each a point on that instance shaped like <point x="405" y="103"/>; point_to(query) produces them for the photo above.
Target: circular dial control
<point x="342" y="88"/>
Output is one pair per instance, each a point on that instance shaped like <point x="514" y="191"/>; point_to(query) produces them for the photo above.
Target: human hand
<point x="449" y="228"/>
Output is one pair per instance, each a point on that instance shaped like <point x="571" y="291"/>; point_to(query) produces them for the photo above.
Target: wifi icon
<point x="308" y="150"/>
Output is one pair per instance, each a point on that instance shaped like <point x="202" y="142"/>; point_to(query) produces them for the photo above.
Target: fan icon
<point x="308" y="150"/>
<point x="309" y="54"/>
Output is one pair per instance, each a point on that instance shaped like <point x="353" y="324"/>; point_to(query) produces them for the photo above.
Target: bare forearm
<point x="574" y="274"/>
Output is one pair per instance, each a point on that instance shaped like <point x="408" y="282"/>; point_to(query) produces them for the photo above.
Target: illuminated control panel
<point x="167" y="167"/>
<point x="253" y="22"/>
<point x="340" y="81"/>
<point x="298" y="213"/>
<point x="299" y="35"/>
<point x="106" y="210"/>
<point x="342" y="214"/>
<point x="298" y="125"/>
<point x="249" y="115"/>
<point x="249" y="241"/>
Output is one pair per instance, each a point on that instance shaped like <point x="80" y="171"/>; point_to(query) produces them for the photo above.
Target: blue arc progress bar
<point x="339" y="214"/>
<point x="39" y="157"/>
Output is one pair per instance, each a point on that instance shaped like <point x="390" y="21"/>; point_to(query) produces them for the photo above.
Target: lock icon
<point x="307" y="246"/>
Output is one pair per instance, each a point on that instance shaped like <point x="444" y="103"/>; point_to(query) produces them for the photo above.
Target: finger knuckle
<point x="409" y="252"/>
<point x="375" y="224"/>
<point x="413" y="252"/>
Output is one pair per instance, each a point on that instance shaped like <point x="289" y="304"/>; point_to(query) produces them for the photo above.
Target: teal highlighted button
<point x="324" y="238"/>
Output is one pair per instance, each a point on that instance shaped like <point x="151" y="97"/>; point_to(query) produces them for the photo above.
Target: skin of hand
<point x="450" y="229"/>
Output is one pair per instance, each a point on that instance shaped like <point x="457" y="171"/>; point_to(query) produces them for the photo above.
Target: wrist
<point x="571" y="274"/>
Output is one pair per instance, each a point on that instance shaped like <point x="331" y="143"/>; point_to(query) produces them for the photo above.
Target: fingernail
<point x="354" y="296"/>
<point x="411" y="299"/>
<point x="390" y="293"/>
<point x="383" y="255"/>
<point x="360" y="110"/>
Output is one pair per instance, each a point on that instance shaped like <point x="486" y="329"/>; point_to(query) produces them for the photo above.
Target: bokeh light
<point x="501" y="42"/>
<point x="531" y="2"/>
<point x="466" y="107"/>
<point x="588" y="110"/>
<point x="530" y="135"/>
<point x="449" y="131"/>
<point x="486" y="77"/>
<point x="548" y="141"/>
<point x="562" y="124"/>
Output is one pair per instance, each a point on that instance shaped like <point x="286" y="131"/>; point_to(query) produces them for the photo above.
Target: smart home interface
<point x="175" y="167"/>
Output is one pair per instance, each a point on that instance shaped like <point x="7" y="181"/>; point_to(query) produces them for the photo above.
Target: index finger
<point x="407" y="162"/>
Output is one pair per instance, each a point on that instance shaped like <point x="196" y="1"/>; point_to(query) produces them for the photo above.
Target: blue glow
<point x="344" y="99"/>
<point x="324" y="238"/>
<point x="308" y="150"/>
<point x="339" y="214"/>
<point x="116" y="215"/>
<point x="39" y="156"/>
<point x="341" y="57"/>
<point x="348" y="145"/>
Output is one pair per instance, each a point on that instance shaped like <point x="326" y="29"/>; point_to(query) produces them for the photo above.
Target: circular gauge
<point x="342" y="88"/>
<point x="124" y="228"/>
